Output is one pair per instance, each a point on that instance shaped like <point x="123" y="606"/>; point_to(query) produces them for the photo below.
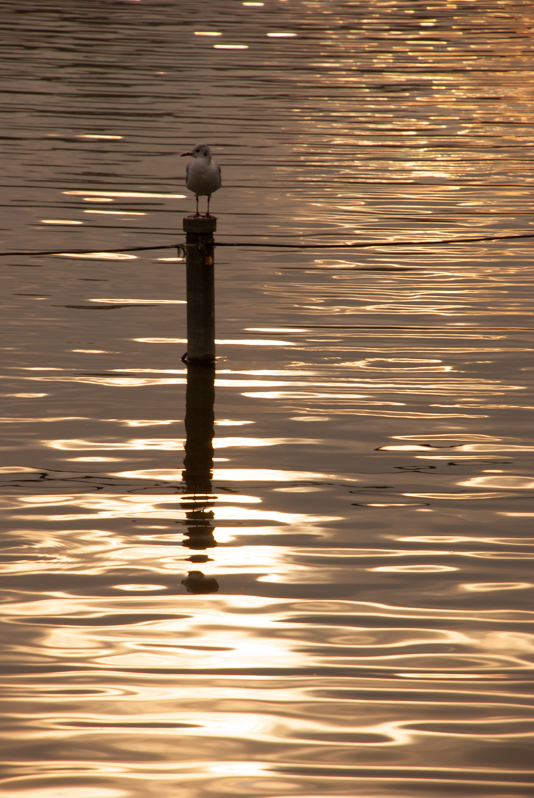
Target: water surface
<point x="337" y="599"/>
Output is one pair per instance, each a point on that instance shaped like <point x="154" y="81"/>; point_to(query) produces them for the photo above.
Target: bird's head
<point x="200" y="151"/>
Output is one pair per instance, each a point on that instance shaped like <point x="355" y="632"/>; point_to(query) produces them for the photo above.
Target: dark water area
<point x="336" y="601"/>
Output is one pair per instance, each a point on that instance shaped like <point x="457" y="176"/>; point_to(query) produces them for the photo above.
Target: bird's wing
<point x="220" y="178"/>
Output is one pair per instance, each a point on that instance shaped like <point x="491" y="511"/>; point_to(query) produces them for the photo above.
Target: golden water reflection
<point x="339" y="609"/>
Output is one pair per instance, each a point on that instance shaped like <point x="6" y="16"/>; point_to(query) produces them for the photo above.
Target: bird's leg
<point x="197" y="213"/>
<point x="208" y="213"/>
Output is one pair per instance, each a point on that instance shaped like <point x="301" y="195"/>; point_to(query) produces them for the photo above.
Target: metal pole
<point x="200" y="289"/>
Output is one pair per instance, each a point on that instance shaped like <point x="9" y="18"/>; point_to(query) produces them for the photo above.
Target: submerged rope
<point x="29" y="253"/>
<point x="363" y="244"/>
<point x="355" y="245"/>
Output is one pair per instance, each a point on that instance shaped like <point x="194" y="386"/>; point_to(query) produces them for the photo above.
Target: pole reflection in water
<point x="198" y="472"/>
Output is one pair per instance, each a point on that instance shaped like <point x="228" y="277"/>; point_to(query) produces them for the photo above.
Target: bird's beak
<point x="186" y="153"/>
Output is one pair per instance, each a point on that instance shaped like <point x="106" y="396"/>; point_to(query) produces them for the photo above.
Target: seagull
<point x="203" y="175"/>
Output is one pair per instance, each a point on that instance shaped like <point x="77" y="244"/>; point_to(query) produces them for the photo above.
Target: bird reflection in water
<point x="198" y="472"/>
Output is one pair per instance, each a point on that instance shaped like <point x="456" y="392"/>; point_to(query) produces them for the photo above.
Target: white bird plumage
<point x="203" y="174"/>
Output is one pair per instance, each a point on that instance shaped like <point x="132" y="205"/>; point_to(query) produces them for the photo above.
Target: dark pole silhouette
<point x="200" y="397"/>
<point x="199" y="246"/>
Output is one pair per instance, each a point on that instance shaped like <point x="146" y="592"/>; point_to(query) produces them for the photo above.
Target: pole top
<point x="200" y="224"/>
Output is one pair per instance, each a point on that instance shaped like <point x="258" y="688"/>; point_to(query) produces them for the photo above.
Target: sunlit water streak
<point x="341" y="604"/>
